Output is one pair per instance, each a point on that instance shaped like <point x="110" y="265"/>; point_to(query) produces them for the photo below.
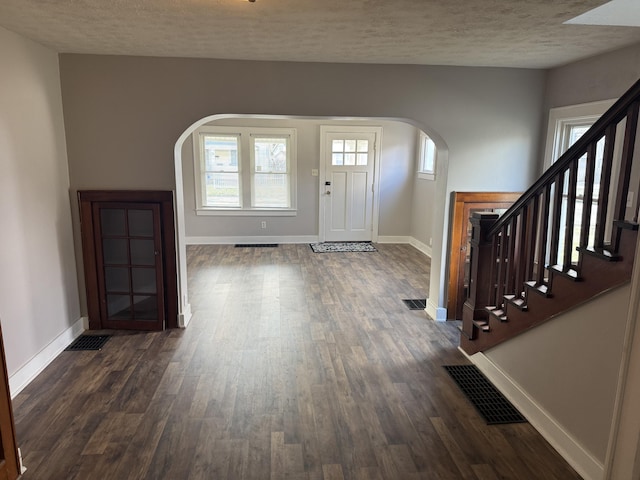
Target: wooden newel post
<point x="480" y="282"/>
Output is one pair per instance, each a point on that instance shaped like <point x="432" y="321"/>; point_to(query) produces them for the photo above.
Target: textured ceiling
<point x="512" y="33"/>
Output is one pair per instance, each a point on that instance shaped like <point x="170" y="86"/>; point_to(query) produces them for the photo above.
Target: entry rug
<point x="487" y="399"/>
<point x="331" y="247"/>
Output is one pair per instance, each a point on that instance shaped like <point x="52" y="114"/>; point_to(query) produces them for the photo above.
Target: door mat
<point x="331" y="247"/>
<point x="489" y="402"/>
<point x="416" y="304"/>
<point x="88" y="342"/>
<point x="256" y="245"/>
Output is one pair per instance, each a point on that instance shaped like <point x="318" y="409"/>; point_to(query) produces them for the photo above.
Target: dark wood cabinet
<point x="128" y="241"/>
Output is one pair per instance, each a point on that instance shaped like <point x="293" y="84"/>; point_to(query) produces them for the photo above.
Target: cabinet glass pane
<point x="112" y="221"/>
<point x="116" y="279"/>
<point x="142" y="252"/>
<point x="140" y="223"/>
<point x="145" y="307"/>
<point x="119" y="306"/>
<point x="144" y="280"/>
<point x="114" y="251"/>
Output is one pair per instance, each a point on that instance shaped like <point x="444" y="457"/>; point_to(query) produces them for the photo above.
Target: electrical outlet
<point x="314" y="172"/>
<point x="263" y="225"/>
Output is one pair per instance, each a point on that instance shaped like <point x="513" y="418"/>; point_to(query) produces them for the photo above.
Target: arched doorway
<point x="426" y="200"/>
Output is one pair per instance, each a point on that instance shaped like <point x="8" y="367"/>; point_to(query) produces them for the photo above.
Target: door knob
<point x="328" y="192"/>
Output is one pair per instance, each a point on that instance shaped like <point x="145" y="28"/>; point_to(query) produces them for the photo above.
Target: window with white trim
<point x="245" y="170"/>
<point x="566" y="126"/>
<point x="427" y="158"/>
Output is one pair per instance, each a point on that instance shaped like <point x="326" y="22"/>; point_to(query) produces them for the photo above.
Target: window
<point x="270" y="177"/>
<point x="566" y="126"/>
<point x="350" y="152"/>
<point x="427" y="158"/>
<point x="220" y="173"/>
<point x="245" y="170"/>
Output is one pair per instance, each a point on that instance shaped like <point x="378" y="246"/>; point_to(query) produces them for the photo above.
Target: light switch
<point x="314" y="172"/>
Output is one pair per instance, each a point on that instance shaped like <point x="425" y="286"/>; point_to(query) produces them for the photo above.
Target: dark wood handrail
<point x="614" y="115"/>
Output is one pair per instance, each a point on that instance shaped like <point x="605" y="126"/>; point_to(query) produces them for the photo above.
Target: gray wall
<point x="123" y="116"/>
<point x="38" y="283"/>
<point x="597" y="78"/>
<point x="397" y="170"/>
<point x="569" y="366"/>
<point x="423" y="201"/>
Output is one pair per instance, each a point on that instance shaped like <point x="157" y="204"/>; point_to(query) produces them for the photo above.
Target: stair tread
<point x="604" y="253"/>
<point x="482" y="325"/>
<point x="514" y="299"/>
<point x="542" y="289"/>
<point x="570" y="272"/>
<point x="497" y="312"/>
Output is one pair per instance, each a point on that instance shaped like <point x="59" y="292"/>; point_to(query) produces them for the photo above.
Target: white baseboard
<point x="185" y="317"/>
<point x="25" y="374"/>
<point x="250" y="239"/>
<point x="439" y="314"/>
<point x="393" y="239"/>
<point x="580" y="459"/>
<point x="414" y="242"/>
<point x="423" y="247"/>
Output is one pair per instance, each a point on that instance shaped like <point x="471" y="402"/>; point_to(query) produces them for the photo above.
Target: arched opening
<point x="426" y="195"/>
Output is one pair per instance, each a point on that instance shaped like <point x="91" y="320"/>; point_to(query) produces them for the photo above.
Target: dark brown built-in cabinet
<point x="128" y="243"/>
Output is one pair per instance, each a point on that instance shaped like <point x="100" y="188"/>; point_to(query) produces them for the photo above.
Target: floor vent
<point x="256" y="245"/>
<point x="416" y="304"/>
<point x="489" y="402"/>
<point x="88" y="342"/>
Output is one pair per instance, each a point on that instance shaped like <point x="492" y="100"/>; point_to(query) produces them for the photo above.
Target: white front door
<point x="348" y="186"/>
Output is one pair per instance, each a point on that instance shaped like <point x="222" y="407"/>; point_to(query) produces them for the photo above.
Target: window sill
<point x="426" y="176"/>
<point x="255" y="212"/>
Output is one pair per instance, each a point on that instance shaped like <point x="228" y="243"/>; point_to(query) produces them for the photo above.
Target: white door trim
<point x="326" y="129"/>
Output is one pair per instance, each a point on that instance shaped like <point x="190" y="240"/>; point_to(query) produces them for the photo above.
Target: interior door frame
<point x="375" y="210"/>
<point x="165" y="201"/>
<point x="459" y="202"/>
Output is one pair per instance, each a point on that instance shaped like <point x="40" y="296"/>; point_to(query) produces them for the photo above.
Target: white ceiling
<point x="509" y="33"/>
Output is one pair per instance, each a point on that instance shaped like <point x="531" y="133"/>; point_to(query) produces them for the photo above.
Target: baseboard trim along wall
<point x="250" y="239"/>
<point x="414" y="242"/>
<point x="25" y="374"/>
<point x="423" y="247"/>
<point x="565" y="444"/>
<point x="439" y="314"/>
<point x="299" y="239"/>
<point x="393" y="239"/>
<point x="185" y="316"/>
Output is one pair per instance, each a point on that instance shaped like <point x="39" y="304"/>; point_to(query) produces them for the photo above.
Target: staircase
<point x="567" y="239"/>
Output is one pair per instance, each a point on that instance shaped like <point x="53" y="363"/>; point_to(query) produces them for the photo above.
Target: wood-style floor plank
<point x="296" y="366"/>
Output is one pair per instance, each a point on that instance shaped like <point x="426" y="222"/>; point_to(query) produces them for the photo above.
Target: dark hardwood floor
<point x="295" y="366"/>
